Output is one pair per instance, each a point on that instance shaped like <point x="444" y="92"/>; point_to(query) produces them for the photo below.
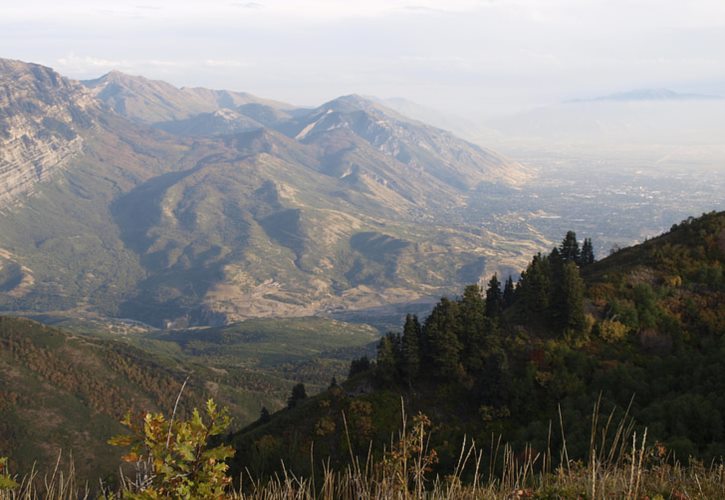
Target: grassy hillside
<point x="67" y="391"/>
<point x="642" y="345"/>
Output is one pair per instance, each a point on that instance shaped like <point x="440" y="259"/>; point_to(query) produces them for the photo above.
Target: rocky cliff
<point x="40" y="115"/>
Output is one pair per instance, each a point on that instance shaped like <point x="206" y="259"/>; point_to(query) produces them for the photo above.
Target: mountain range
<point x="130" y="198"/>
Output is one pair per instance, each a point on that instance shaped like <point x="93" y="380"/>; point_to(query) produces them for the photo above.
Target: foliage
<point x="178" y="460"/>
<point x="298" y="394"/>
<point x="359" y="365"/>
<point x="6" y="482"/>
<point x="410" y="459"/>
<point x="79" y="384"/>
<point x="410" y="348"/>
<point x="612" y="330"/>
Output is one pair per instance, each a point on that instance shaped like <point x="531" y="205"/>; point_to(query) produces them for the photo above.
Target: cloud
<point x="76" y="63"/>
<point x="226" y="63"/>
<point x="479" y="51"/>
<point x="247" y="5"/>
<point x="90" y="66"/>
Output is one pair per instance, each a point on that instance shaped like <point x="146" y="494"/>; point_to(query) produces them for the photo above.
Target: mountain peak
<point x="349" y="103"/>
<point x="42" y="113"/>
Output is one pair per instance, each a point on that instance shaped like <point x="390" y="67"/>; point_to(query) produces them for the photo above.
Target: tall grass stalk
<point x="620" y="464"/>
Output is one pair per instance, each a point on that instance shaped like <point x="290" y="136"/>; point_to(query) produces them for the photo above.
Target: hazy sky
<point x="473" y="57"/>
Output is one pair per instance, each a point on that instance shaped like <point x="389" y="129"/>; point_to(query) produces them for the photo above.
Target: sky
<point x="474" y="58"/>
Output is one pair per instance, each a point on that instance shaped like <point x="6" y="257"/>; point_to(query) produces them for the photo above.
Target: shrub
<point x="173" y="457"/>
<point x="612" y="330"/>
<point x="6" y="482"/>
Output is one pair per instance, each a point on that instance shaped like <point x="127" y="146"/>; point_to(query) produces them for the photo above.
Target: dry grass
<point x="621" y="464"/>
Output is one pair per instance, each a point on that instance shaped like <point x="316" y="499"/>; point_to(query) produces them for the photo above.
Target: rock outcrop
<point x="40" y="116"/>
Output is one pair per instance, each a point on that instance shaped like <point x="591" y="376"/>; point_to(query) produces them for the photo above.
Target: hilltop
<point x="637" y="337"/>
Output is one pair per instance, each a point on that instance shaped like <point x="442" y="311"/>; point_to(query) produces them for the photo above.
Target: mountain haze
<point x="162" y="216"/>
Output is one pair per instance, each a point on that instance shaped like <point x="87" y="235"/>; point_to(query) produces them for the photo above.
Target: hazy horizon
<point x="472" y="58"/>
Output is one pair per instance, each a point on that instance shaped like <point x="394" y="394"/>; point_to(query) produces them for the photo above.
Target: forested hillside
<point x="62" y="392"/>
<point x="641" y="331"/>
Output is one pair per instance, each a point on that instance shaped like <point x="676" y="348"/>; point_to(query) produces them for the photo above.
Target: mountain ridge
<point x="198" y="228"/>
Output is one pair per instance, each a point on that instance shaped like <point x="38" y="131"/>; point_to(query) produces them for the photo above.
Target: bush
<point x="173" y="456"/>
<point x="612" y="330"/>
<point x="6" y="482"/>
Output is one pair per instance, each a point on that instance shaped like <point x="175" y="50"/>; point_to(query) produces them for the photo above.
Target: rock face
<point x="40" y="115"/>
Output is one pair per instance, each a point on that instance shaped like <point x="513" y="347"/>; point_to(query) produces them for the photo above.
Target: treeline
<point x="645" y="330"/>
<point x="462" y="340"/>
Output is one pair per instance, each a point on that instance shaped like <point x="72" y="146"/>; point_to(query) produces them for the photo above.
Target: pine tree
<point x="471" y="328"/>
<point x="572" y="299"/>
<point x="569" y="248"/>
<point x="443" y="346"/>
<point x="298" y="394"/>
<point x="386" y="369"/>
<point x="534" y="288"/>
<point x="508" y="292"/>
<point x="587" y="255"/>
<point x="359" y="365"/>
<point x="410" y="348"/>
<point x="554" y="312"/>
<point x="494" y="298"/>
<point x="264" y="415"/>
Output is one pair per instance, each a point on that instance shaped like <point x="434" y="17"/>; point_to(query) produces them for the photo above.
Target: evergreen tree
<point x="534" y="288"/>
<point x="443" y="346"/>
<point x="572" y="299"/>
<point x="508" y="292"/>
<point x="554" y="312"/>
<point x="410" y="348"/>
<point x="264" y="415"/>
<point x="359" y="365"/>
<point x="386" y="369"/>
<point x="569" y="248"/>
<point x="333" y="383"/>
<point x="587" y="255"/>
<point x="471" y="328"/>
<point x="298" y="394"/>
<point x="494" y="298"/>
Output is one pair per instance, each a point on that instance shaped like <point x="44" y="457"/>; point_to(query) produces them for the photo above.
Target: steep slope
<point x="64" y="392"/>
<point x="40" y="118"/>
<point x="310" y="212"/>
<point x="257" y="230"/>
<point x="428" y="154"/>
<point x="649" y="355"/>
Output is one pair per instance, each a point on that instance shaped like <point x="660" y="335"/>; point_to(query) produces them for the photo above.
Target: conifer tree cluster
<point x="459" y="342"/>
<point x="551" y="289"/>
<point x="461" y="339"/>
